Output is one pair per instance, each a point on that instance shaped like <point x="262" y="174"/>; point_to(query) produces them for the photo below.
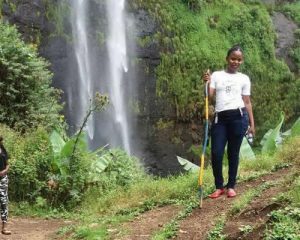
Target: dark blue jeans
<point x="229" y="128"/>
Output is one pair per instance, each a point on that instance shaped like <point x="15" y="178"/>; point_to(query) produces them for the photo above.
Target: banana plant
<point x="246" y="152"/>
<point x="272" y="138"/>
<point x="63" y="151"/>
<point x="294" y="131"/>
<point x="187" y="165"/>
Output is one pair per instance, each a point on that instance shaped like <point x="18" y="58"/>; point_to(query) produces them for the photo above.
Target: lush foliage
<point x="284" y="224"/>
<point x="57" y="14"/>
<point x="56" y="170"/>
<point x="193" y="40"/>
<point x="274" y="137"/>
<point x="40" y="172"/>
<point x="293" y="10"/>
<point x="26" y="98"/>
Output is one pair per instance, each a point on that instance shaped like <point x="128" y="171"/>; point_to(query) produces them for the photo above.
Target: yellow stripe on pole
<point x="200" y="182"/>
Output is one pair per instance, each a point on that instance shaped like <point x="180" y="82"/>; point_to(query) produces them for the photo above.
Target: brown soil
<point x="32" y="229"/>
<point x="255" y="216"/>
<point x="144" y="225"/>
<point x="198" y="224"/>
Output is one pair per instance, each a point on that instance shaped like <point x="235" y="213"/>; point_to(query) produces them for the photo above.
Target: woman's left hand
<point x="251" y="130"/>
<point x="2" y="173"/>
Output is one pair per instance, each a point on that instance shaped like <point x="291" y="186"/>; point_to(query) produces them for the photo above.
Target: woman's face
<point x="234" y="60"/>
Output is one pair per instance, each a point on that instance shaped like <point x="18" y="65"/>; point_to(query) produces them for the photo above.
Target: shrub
<point x="30" y="157"/>
<point x="26" y="98"/>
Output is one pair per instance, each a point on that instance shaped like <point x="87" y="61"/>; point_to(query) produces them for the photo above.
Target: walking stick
<point x="200" y="180"/>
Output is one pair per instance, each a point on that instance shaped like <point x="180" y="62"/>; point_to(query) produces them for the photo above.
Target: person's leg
<point x="236" y="131"/>
<point x="218" y="142"/>
<point x="4" y="204"/>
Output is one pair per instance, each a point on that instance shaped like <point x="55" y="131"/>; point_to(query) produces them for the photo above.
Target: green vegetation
<point x="284" y="224"/>
<point x="57" y="14"/>
<point x="216" y="232"/>
<point x="26" y="98"/>
<point x="195" y="35"/>
<point x="292" y="10"/>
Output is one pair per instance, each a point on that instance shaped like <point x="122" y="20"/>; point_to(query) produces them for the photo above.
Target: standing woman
<point x="4" y="166"/>
<point x="233" y="115"/>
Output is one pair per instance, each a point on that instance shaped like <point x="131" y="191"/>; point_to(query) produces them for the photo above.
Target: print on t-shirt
<point x="228" y="89"/>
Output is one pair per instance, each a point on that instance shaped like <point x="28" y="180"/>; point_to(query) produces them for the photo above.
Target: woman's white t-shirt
<point x="229" y="89"/>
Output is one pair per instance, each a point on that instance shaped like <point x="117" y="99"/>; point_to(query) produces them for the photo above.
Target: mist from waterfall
<point x="81" y="47"/>
<point x="118" y="65"/>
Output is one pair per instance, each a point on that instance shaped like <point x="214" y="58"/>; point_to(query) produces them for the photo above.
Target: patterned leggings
<point x="4" y="198"/>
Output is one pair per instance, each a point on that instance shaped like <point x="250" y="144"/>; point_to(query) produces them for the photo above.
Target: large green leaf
<point x="57" y="142"/>
<point x="187" y="165"/>
<point x="265" y="137"/>
<point x="246" y="151"/>
<point x="271" y="141"/>
<point x="67" y="149"/>
<point x="295" y="130"/>
<point x="99" y="164"/>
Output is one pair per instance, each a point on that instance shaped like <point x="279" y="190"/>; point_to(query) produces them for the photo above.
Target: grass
<point x="216" y="232"/>
<point x="285" y="224"/>
<point x="149" y="190"/>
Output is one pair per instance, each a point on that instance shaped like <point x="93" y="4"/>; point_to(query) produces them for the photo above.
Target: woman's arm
<point x="4" y="171"/>
<point x="211" y="91"/>
<point x="248" y="105"/>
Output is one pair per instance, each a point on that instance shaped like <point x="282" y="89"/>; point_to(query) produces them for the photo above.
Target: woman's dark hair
<point x="1" y="138"/>
<point x="234" y="48"/>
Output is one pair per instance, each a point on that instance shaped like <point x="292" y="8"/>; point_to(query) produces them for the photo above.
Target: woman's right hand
<point x="206" y="76"/>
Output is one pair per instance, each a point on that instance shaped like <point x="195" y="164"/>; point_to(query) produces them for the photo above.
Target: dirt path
<point x="200" y="222"/>
<point x="144" y="225"/>
<point x="255" y="216"/>
<point x="32" y="229"/>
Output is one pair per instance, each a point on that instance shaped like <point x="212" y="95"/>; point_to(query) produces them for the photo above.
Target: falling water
<point x="118" y="65"/>
<point x="81" y="47"/>
<point x="111" y="126"/>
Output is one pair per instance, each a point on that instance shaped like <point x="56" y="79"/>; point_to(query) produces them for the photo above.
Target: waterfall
<point x="81" y="47"/>
<point x="118" y="65"/>
<point x="98" y="70"/>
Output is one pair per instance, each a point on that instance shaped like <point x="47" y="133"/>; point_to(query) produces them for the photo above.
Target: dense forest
<point x="54" y="171"/>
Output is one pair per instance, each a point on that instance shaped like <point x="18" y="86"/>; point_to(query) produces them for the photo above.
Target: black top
<point x="3" y="158"/>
